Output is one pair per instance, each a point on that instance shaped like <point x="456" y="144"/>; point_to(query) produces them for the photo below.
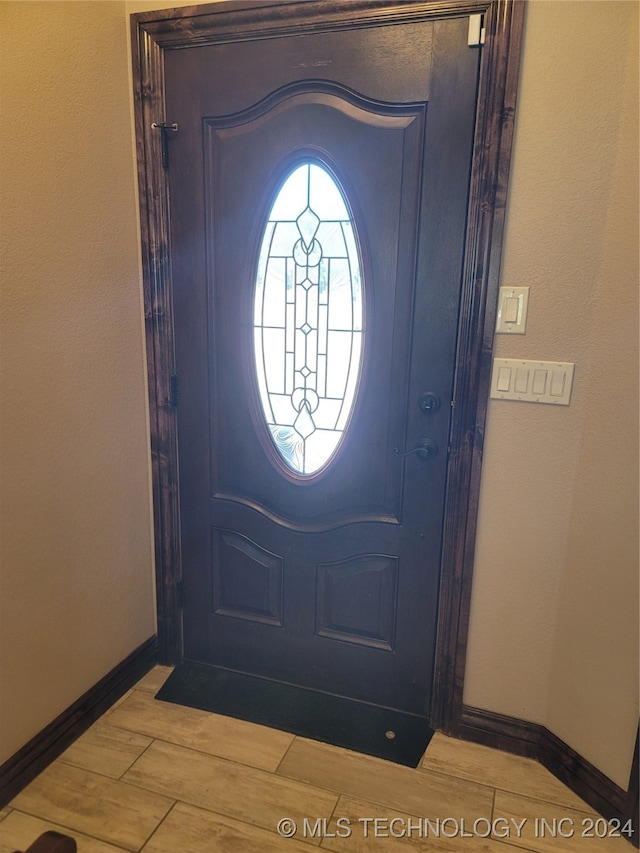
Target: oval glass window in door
<point x="308" y="318"/>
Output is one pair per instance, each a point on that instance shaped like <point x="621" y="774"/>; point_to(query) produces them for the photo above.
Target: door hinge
<point x="180" y="594"/>
<point x="164" y="129"/>
<point x="476" y="30"/>
<point x="172" y="399"/>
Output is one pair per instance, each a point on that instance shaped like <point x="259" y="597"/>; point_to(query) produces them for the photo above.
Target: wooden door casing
<point x="155" y="33"/>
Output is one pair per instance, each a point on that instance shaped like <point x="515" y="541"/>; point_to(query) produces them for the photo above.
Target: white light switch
<point x="522" y="381"/>
<point x="512" y="310"/>
<point x="532" y="381"/>
<point x="539" y="384"/>
<point x="511" y="305"/>
<point x="558" y="379"/>
<point x="504" y="379"/>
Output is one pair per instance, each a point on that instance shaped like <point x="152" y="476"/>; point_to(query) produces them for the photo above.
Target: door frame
<point x="155" y="32"/>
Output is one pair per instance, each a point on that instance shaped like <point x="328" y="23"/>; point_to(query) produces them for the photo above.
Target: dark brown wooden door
<point x="326" y="580"/>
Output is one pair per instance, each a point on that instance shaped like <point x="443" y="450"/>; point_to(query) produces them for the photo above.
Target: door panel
<point x="252" y="160"/>
<point x="356" y="600"/>
<point x="328" y="581"/>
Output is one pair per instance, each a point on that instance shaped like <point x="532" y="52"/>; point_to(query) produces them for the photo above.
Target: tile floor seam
<point x="509" y="845"/>
<point x="286" y="752"/>
<point x="453" y="775"/>
<point x="405" y="812"/>
<point x="551" y="803"/>
<point x="124" y="782"/>
<point x="227" y="815"/>
<point x="585" y="809"/>
<point x="241" y="820"/>
<point x="459" y="778"/>
<point x="116" y="707"/>
<point x="195" y="749"/>
<point x="520" y="793"/>
<point x="68" y="763"/>
<point x="330" y="818"/>
<point x="157" y="827"/>
<point x="339" y="793"/>
<point x="135" y="761"/>
<point x="238" y="764"/>
<point x="116" y="704"/>
<point x="477" y="782"/>
<point x="233" y="818"/>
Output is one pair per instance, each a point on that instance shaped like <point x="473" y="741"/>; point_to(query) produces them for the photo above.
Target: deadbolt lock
<point x="429" y="403"/>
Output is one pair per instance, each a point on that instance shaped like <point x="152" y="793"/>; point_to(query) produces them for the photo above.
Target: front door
<point x="319" y="188"/>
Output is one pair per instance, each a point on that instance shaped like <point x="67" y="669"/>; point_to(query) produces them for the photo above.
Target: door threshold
<point x="359" y="726"/>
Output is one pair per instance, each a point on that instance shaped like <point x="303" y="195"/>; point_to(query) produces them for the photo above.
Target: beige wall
<point x="76" y="585"/>
<point x="554" y="621"/>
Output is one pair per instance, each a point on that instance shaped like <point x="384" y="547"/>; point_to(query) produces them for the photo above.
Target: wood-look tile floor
<point x="159" y="778"/>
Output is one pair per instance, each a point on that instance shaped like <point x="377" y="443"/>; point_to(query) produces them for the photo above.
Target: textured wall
<point x="554" y="623"/>
<point x="76" y="585"/>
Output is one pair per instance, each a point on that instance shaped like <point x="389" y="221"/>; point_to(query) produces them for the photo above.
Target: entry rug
<point x="354" y="725"/>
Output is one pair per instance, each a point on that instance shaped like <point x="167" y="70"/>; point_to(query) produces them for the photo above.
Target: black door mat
<point x="358" y="726"/>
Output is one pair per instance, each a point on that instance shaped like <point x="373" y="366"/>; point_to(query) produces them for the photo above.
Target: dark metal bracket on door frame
<point x="155" y="32"/>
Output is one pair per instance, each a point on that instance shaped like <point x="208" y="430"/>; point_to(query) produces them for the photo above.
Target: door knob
<point x="426" y="448"/>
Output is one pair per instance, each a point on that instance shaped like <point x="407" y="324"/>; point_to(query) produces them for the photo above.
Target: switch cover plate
<point x="532" y="381"/>
<point x="512" y="310"/>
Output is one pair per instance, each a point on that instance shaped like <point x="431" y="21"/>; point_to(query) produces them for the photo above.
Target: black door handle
<point x="426" y="448"/>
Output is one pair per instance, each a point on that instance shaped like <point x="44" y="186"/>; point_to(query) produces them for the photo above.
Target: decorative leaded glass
<point x="308" y="318"/>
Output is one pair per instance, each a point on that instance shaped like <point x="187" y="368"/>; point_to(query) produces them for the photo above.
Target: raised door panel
<point x="375" y="153"/>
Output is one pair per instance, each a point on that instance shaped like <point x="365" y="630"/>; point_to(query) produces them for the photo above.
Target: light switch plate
<point x="512" y="310"/>
<point x="532" y="381"/>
